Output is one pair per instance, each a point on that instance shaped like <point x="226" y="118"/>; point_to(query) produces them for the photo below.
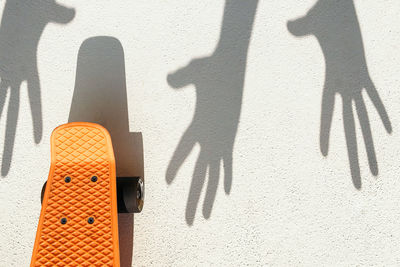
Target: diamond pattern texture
<point x="80" y="151"/>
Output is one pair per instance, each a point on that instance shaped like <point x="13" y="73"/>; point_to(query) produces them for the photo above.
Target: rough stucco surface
<point x="288" y="204"/>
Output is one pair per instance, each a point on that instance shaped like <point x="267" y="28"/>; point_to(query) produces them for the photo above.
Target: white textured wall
<point x="288" y="204"/>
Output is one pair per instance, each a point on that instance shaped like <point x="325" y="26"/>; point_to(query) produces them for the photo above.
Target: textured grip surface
<point x="79" y="151"/>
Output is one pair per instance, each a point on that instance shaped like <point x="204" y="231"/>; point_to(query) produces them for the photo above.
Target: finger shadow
<point x="213" y="180"/>
<point x="376" y="100"/>
<point x="351" y="141"/>
<point x="199" y="175"/>
<point x="182" y="151"/>
<point x="22" y="25"/>
<point x="367" y="134"/>
<point x="11" y="127"/>
<point x="100" y="96"/>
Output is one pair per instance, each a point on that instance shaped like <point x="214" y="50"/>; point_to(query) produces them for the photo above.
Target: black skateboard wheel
<point x="42" y="193"/>
<point x="130" y="194"/>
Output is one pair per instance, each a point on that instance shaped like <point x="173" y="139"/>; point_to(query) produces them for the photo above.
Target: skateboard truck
<point x="130" y="193"/>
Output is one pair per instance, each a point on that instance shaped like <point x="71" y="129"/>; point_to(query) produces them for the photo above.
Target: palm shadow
<point x="22" y="25"/>
<point x="219" y="80"/>
<point x="335" y="25"/>
<point x="100" y="96"/>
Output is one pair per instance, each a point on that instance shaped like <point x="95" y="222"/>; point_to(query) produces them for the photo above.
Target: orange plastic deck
<point x="79" y="150"/>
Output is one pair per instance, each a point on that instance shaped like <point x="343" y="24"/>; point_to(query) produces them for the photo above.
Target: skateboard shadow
<point x="22" y="24"/>
<point x="335" y="25"/>
<point x="219" y="81"/>
<point x="100" y="96"/>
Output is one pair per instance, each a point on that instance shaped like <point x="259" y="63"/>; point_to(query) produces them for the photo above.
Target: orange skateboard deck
<point x="78" y="223"/>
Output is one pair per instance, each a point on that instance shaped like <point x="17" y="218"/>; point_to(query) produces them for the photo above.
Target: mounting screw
<point x="63" y="220"/>
<point x="90" y="220"/>
<point x="67" y="179"/>
<point x="94" y="178"/>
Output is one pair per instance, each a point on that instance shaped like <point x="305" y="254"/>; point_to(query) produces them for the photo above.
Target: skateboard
<point x="78" y="224"/>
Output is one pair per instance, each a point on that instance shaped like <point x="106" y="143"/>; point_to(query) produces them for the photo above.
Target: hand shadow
<point x="22" y="24"/>
<point x="336" y="27"/>
<point x="100" y="96"/>
<point x="219" y="81"/>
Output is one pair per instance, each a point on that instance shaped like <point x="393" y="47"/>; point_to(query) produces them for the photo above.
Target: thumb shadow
<point x="100" y="97"/>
